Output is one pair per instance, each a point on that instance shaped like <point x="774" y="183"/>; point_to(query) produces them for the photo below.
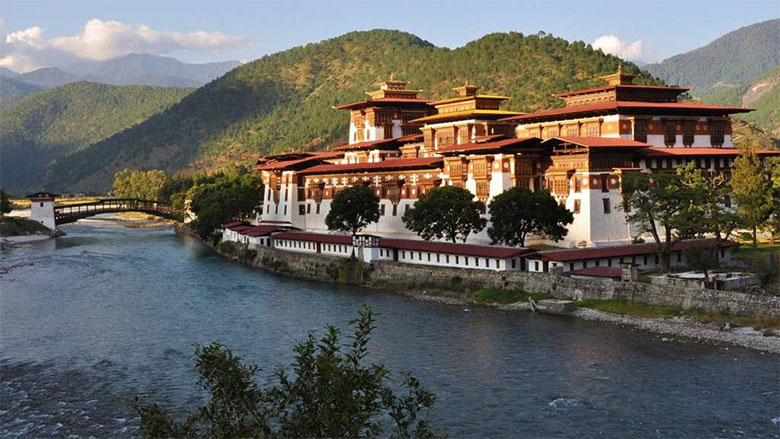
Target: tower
<point x="42" y="208"/>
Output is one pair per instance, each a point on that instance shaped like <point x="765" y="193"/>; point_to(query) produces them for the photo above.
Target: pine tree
<point x="751" y="191"/>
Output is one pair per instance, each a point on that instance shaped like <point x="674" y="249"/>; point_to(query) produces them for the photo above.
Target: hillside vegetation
<point x="12" y="90"/>
<point x="737" y="58"/>
<point x="52" y="123"/>
<point x="762" y="95"/>
<point x="284" y="101"/>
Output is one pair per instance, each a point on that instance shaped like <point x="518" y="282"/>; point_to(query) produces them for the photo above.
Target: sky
<point x="36" y="34"/>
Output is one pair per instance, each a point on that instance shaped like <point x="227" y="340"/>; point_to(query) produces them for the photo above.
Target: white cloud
<point x="27" y="49"/>
<point x="614" y="46"/>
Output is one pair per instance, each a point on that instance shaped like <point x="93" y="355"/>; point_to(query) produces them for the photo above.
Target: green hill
<point x="739" y="57"/>
<point x="285" y="100"/>
<point x="762" y="95"/>
<point x="53" y="123"/>
<point x="12" y="90"/>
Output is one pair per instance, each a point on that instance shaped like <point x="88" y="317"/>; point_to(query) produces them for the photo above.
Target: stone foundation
<point x="462" y="283"/>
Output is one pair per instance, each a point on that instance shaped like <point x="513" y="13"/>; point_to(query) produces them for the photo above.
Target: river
<point x="106" y="313"/>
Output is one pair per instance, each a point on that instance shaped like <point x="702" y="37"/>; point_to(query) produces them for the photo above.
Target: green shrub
<point x="227" y="248"/>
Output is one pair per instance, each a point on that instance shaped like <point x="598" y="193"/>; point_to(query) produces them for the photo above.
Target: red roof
<point x="600" y="142"/>
<point x="255" y="231"/>
<point x="598" y="272"/>
<point x="374" y="144"/>
<point x="230" y="224"/>
<point x="486" y="146"/>
<point x="664" y="152"/>
<point x="299" y="163"/>
<point x="315" y="237"/>
<point x="415" y="163"/>
<point x="628" y="106"/>
<point x="625" y="86"/>
<point x="619" y="251"/>
<point x="368" y="102"/>
<point x="486" y="251"/>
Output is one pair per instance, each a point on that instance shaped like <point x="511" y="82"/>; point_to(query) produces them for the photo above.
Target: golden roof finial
<point x="392" y="76"/>
<point x="620" y="67"/>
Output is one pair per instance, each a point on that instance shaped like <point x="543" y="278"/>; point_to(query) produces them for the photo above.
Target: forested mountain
<point x="284" y="101"/>
<point x="47" y="77"/>
<point x="12" y="90"/>
<point x="737" y="58"/>
<point x="762" y="95"/>
<point x="52" y="123"/>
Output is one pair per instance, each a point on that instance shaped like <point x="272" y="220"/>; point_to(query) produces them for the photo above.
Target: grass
<point x="636" y="309"/>
<point x="762" y="247"/>
<point x="498" y="295"/>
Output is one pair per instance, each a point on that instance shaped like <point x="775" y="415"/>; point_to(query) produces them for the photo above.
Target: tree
<point x="711" y="214"/>
<point x="701" y="258"/>
<point x="330" y="394"/>
<point x="5" y="203"/>
<point x="446" y="212"/>
<point x="660" y="200"/>
<point x="145" y="185"/>
<point x="518" y="212"/>
<point x="223" y="200"/>
<point x="352" y="210"/>
<point x="773" y="223"/>
<point x="751" y="191"/>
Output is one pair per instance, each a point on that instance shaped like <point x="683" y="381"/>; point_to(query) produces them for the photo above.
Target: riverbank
<point x="460" y="291"/>
<point x="16" y="230"/>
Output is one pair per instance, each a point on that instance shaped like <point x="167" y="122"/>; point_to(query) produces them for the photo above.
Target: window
<point x="514" y="262"/>
<point x="498" y="264"/>
<point x="571" y="266"/>
<point x="576" y="206"/>
<point x="572" y="131"/>
<point x="577" y="184"/>
<point x="609" y="262"/>
<point x="644" y="262"/>
<point x="395" y="209"/>
<point x="466" y="259"/>
<point x="597" y="262"/>
<point x="716" y="133"/>
<point x="688" y="133"/>
<point x="429" y="257"/>
<point x="606" y="205"/>
<point x="403" y="255"/>
<point x="285" y="210"/>
<point x="301" y="210"/>
<point x="448" y="259"/>
<point x="382" y="209"/>
<point x="670" y="133"/>
<point x="308" y="208"/>
<point x="593" y="130"/>
<point x="536" y="265"/>
<point x="640" y="130"/>
<point x="604" y="183"/>
<point x="406" y="208"/>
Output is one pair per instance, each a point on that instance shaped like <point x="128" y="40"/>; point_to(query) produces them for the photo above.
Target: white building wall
<point x="43" y="212"/>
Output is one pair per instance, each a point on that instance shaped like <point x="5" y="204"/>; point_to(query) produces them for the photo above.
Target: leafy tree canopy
<point x="446" y="212"/>
<point x="517" y="212"/>
<point x="352" y="210"/>
<point x="332" y="393"/>
<point x="751" y="190"/>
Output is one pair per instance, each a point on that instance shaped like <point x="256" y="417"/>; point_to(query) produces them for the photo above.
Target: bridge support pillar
<point x="42" y="208"/>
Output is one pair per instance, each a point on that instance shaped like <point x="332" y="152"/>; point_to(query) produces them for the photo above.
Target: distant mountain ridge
<point x="763" y="95"/>
<point x="738" y="57"/>
<point x="132" y="69"/>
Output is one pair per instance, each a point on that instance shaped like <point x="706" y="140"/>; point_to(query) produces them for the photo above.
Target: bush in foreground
<point x="330" y="394"/>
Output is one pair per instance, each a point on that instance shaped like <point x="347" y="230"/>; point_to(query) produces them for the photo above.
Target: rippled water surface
<point x="107" y="313"/>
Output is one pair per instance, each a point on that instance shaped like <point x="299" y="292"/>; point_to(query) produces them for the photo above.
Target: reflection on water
<point x="103" y="314"/>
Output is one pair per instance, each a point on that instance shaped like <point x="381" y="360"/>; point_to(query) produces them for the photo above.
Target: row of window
<point x="704" y="163"/>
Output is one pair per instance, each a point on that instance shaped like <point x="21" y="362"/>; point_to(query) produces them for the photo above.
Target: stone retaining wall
<point x="448" y="282"/>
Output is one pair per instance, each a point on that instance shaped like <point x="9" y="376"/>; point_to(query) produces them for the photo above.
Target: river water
<point x="106" y="313"/>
